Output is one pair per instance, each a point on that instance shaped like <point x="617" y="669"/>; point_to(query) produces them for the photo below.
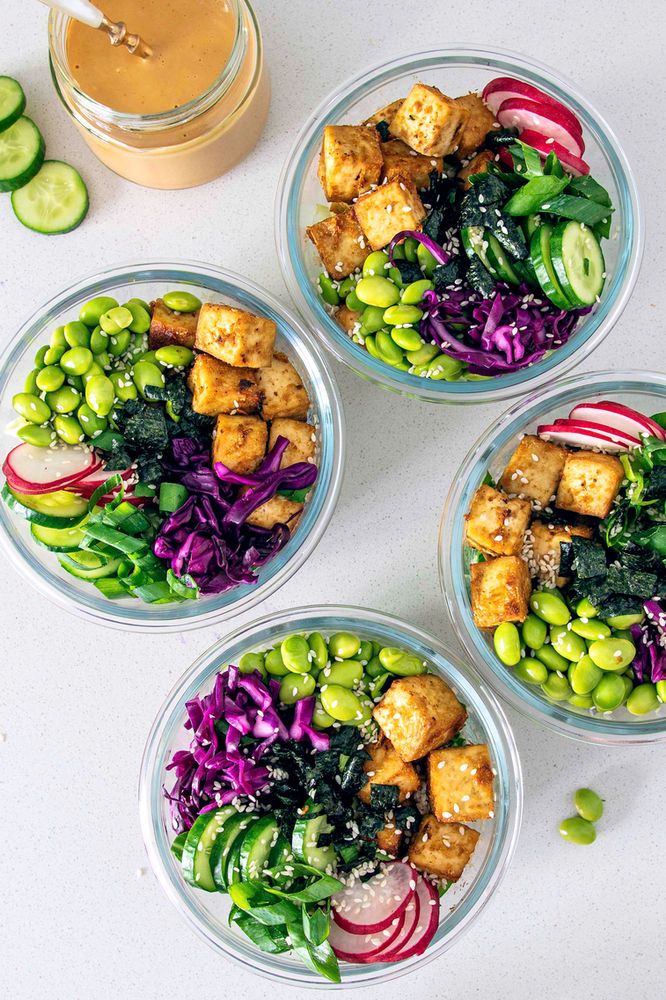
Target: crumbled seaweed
<point x="589" y="558"/>
<point x="630" y="581"/>
<point x="383" y="797"/>
<point x="118" y="456"/>
<point x="480" y="279"/>
<point x="178" y="395"/>
<point x="489" y="189"/>
<point x="655" y="488"/>
<point x="434" y="225"/>
<point x="566" y="559"/>
<point x="446" y="275"/>
<point x="508" y="234"/>
<point x="383" y="129"/>
<point x="345" y="740"/>
<point x="353" y="775"/>
<point x="619" y="604"/>
<point x="369" y="823"/>
<point x="146" y="429"/>
<point x="441" y="194"/>
<point x="149" y="469"/>
<point x="409" y="271"/>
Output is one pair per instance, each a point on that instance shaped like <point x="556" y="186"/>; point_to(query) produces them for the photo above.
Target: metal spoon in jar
<point x="82" y="10"/>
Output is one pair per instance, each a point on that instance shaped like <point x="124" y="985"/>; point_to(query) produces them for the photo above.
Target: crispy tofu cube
<point x="340" y="243"/>
<point x="220" y="388"/>
<point x="239" y="442"/>
<point x="386" y="767"/>
<point x="347" y="318"/>
<point x="284" y="394"/>
<point x="169" y="327"/>
<point x="301" y="437"/>
<point x="240" y="338"/>
<point x="351" y="161"/>
<point x="401" y="161"/>
<point x="427" y="120"/>
<point x="388" y="210"/>
<point x="389" y="840"/>
<point x="477" y="165"/>
<point x="544" y="546"/>
<point x="477" y="123"/>
<point x="460" y="784"/>
<point x="385" y="114"/>
<point x="277" y="510"/>
<point x="501" y="590"/>
<point x="534" y="470"/>
<point x="418" y="714"/>
<point x="442" y="849"/>
<point x="590" y="482"/>
<point x="495" y="523"/>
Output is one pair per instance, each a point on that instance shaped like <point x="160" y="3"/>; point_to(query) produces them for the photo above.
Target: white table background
<point x="80" y="914"/>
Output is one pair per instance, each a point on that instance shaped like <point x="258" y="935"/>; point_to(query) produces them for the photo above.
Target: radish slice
<point x="364" y="948"/>
<point x="426" y="925"/>
<point x="33" y="470"/>
<point x="555" y="123"/>
<point x="586" y="434"/>
<point x="410" y="920"/>
<point x="544" y="146"/>
<point x="618" y="417"/>
<point x="87" y="486"/>
<point x="368" y="907"/>
<point x="503" y="88"/>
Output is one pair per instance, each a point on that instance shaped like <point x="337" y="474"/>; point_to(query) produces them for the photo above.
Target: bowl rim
<point x="289" y="237"/>
<point x="304" y="619"/>
<point x="200" y="273"/>
<point x="597" y="729"/>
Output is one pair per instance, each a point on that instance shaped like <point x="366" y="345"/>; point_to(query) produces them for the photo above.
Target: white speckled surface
<point x="76" y="701"/>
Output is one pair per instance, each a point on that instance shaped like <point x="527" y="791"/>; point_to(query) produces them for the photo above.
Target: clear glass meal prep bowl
<point x="642" y="390"/>
<point x="211" y="284"/>
<point x="206" y="912"/>
<point x="455" y="70"/>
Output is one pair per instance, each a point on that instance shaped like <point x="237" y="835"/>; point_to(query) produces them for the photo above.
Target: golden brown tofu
<point x="543" y="549"/>
<point x="284" y="394"/>
<point x="501" y="590"/>
<point x="239" y="442"/>
<point x="590" y="482"/>
<point x="476" y="125"/>
<point x="389" y="840"/>
<point x="240" y="338"/>
<point x="388" y="210"/>
<point x="347" y="318"/>
<point x="442" y="849"/>
<point x="220" y="388"/>
<point x="169" y="327"/>
<point x="301" y="437"/>
<point x="277" y="510"/>
<point x="401" y="161"/>
<point x="460" y="784"/>
<point x="495" y="523"/>
<point x="427" y="120"/>
<point x="340" y="243"/>
<point x="351" y="161"/>
<point x="477" y="165"/>
<point x="534" y="470"/>
<point x="385" y="767"/>
<point x="418" y="714"/>
<point x="385" y="114"/>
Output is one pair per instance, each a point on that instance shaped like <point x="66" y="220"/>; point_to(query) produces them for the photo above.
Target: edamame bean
<point x="402" y="315"/>
<point x="99" y="341"/>
<point x="328" y="290"/>
<point x="183" y="302"/>
<point x="423" y="355"/>
<point x="374" y="667"/>
<point x="395" y="275"/>
<point x="76" y="361"/>
<point x="93" y="309"/>
<point x="406" y="665"/>
<point x="426" y="260"/>
<point x="531" y="670"/>
<point x="347" y="674"/>
<point x="64" y="400"/>
<point x="40" y="355"/>
<point x="115" y="320"/>
<point x="568" y="644"/>
<point x="556" y="687"/>
<point x="578" y="831"/>
<point x="57" y="338"/>
<point x="140" y="316"/>
<point x="372" y="318"/>
<point x="581" y="700"/>
<point x="406" y="337"/>
<point x="444" y="368"/>
<point x="371" y="348"/>
<point x="54" y="354"/>
<point x="90" y="422"/>
<point x="613" y="653"/>
<point x="119" y="342"/>
<point x="622" y="622"/>
<point x="95" y="369"/>
<point x="144" y="373"/>
<point x="590" y="629"/>
<point x="123" y="385"/>
<point x="628" y="686"/>
<point x="388" y="655"/>
<point x="365" y="653"/>
<point x="552" y="659"/>
<point x="148" y="356"/>
<point x="274" y="663"/>
<point x="339" y="702"/>
<point x="506" y="640"/>
<point x="318" y="647"/>
<point x="249" y="662"/>
<point x="137" y="302"/>
<point x="410" y="246"/>
<point x="377" y="685"/>
<point x="320" y="718"/>
<point x="76" y="381"/>
<point x="296" y="686"/>
<point x="643" y="699"/>
<point x="50" y="378"/>
<point x="660" y="688"/>
<point x="549" y="607"/>
<point x="364" y="713"/>
<point x="296" y="654"/>
<point x="584" y="675"/>
<point x="588" y="805"/>
<point x="42" y="437"/>
<point x="534" y="631"/>
<point x="353" y="302"/>
<point x="375" y="264"/>
<point x="413" y="293"/>
<point x="376" y="291"/>
<point x="31" y="408"/>
<point x="344" y="645"/>
<point x="174" y="355"/>
<point x="609" y="693"/>
<point x="585" y="609"/>
<point x="31" y="385"/>
<point x="76" y="334"/>
<point x="347" y="286"/>
<point x="388" y="349"/>
<point x="100" y="395"/>
<point x="68" y="428"/>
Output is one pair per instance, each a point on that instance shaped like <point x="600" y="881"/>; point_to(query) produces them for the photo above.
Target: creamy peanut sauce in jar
<point x="183" y="116"/>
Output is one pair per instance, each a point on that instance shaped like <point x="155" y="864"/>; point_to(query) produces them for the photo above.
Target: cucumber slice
<point x="233" y="872"/>
<point x="543" y="266"/>
<point x="233" y="829"/>
<point x="475" y="244"/>
<point x="21" y="154"/>
<point x="52" y="510"/>
<point x="12" y="101"/>
<point x="88" y="565"/>
<point x="54" y="201"/>
<point x="178" y="844"/>
<point x="305" y="842"/>
<point x="499" y="261"/>
<point x="198" y="845"/>
<point x="58" y="539"/>
<point x="257" y="845"/>
<point x="578" y="262"/>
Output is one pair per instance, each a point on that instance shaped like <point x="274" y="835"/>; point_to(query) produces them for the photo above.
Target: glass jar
<point x="185" y="146"/>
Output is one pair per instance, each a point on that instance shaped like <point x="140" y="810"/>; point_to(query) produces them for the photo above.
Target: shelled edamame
<point x="580" y="829"/>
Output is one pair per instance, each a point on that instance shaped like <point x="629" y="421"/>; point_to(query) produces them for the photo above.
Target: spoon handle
<point x="80" y="10"/>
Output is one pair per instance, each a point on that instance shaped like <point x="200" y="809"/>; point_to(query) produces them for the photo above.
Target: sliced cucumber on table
<point x="305" y="842"/>
<point x="232" y="834"/>
<point x="256" y="846"/>
<point x="198" y="845"/>
<point x="578" y="262"/>
<point x="21" y="154"/>
<point x="12" y="101"/>
<point x="52" y="510"/>
<point x="540" y="254"/>
<point x="54" y="201"/>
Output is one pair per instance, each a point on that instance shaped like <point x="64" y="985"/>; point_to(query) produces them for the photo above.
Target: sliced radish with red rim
<point x="33" y="470"/>
<point x="545" y="145"/>
<point x="368" y="907"/>
<point x="364" y="948"/>
<point x="410" y="919"/>
<point x="587" y="434"/>
<point x="428" y="921"/>
<point x="503" y="88"/>
<point x="554" y="122"/>
<point x="619" y="418"/>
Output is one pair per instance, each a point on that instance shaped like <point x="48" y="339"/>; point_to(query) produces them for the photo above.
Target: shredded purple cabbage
<point x="649" y="664"/>
<point x="438" y="252"/>
<point x="218" y="769"/>
<point x="207" y="539"/>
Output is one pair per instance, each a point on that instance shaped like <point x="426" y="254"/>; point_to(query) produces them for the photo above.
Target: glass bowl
<point x="206" y="912"/>
<point x="454" y="70"/>
<point x="643" y="391"/>
<point x="213" y="284"/>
